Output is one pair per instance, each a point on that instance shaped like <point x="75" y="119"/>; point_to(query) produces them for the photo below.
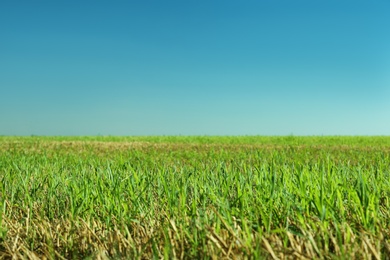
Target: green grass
<point x="195" y="197"/>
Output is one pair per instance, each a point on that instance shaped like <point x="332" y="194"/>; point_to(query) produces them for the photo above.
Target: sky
<point x="195" y="67"/>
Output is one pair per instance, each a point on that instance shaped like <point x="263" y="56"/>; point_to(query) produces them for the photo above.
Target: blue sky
<point x="273" y="67"/>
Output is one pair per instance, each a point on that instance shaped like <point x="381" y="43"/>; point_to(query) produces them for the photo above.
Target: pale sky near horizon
<point x="272" y="67"/>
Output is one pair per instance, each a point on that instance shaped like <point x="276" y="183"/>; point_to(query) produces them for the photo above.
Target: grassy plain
<point x="195" y="197"/>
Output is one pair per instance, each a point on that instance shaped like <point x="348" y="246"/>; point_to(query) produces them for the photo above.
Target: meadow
<point x="181" y="197"/>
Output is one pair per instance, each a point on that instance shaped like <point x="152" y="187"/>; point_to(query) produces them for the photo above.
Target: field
<point x="195" y="197"/>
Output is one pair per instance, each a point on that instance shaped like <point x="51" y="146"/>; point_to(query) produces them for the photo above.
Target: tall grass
<point x="195" y="197"/>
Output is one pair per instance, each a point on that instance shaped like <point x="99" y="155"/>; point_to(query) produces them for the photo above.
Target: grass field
<point x="195" y="197"/>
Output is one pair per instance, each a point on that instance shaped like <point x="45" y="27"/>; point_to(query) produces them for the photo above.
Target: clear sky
<point x="195" y="67"/>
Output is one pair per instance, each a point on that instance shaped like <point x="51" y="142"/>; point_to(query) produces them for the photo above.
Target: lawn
<point x="195" y="197"/>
